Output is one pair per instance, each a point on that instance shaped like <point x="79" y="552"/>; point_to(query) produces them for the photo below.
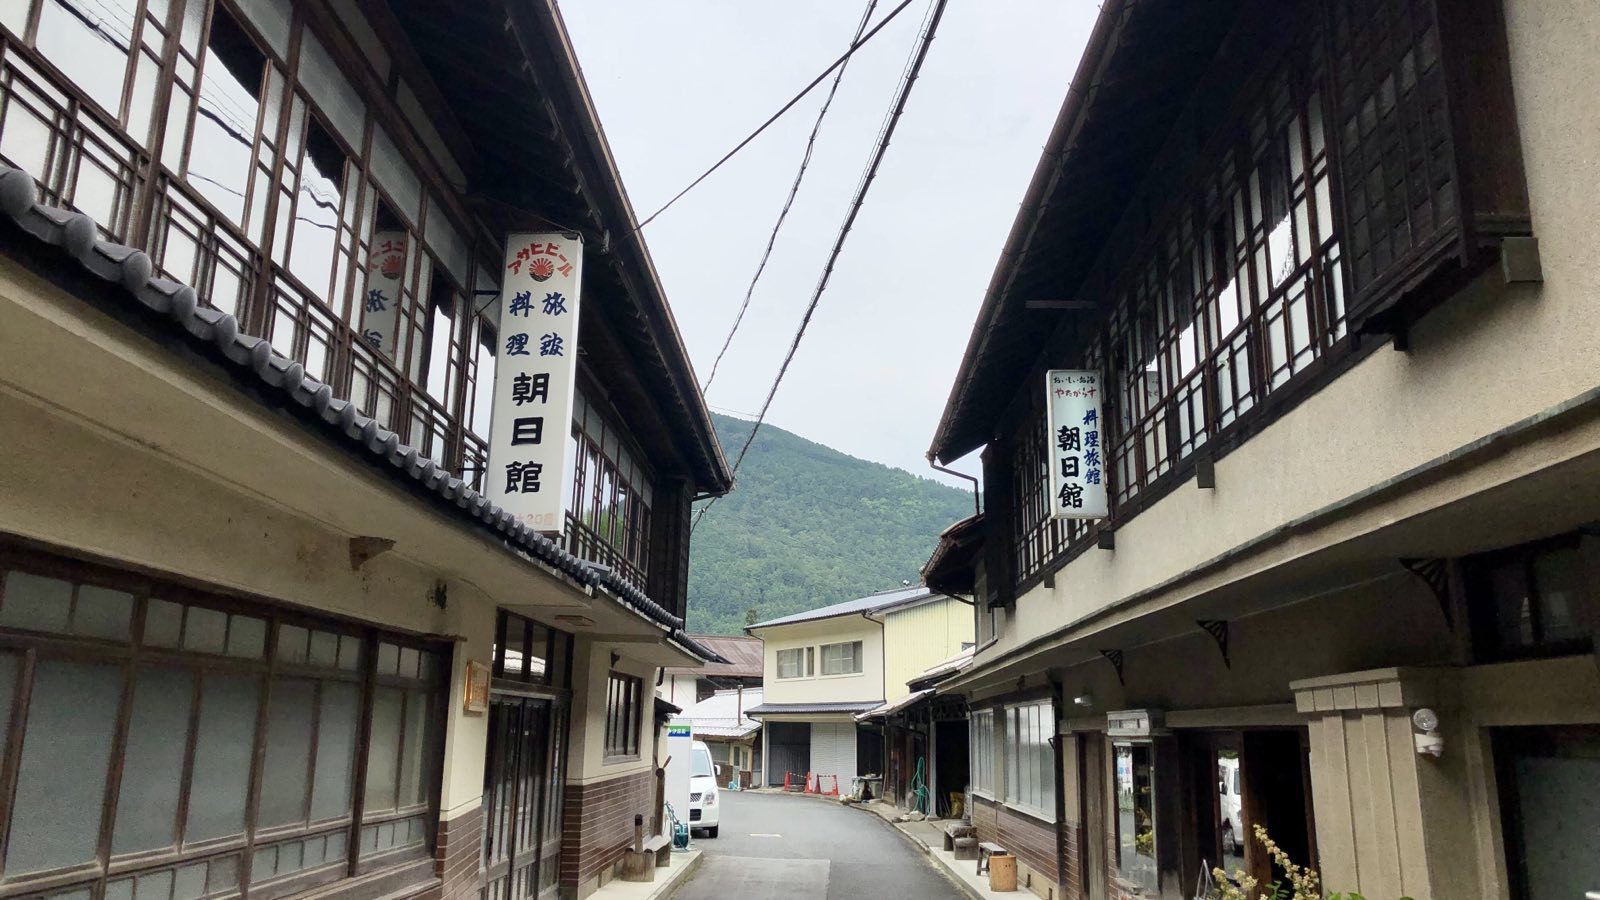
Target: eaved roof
<point x="884" y="710"/>
<point x="129" y="276"/>
<point x="742" y="652"/>
<point x="719" y="714"/>
<point x="1138" y="70"/>
<point x="942" y="669"/>
<point x="879" y="602"/>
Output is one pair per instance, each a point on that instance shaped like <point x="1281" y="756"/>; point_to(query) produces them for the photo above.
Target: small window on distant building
<point x="1532" y="600"/>
<point x="791" y="662"/>
<point x="841" y="659"/>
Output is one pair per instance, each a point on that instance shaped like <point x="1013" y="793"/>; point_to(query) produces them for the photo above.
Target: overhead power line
<point x="779" y="114"/>
<point x="788" y="202"/>
<point x="907" y="81"/>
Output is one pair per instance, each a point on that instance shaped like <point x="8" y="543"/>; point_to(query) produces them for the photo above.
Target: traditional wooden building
<point x="265" y="626"/>
<point x="1332" y="262"/>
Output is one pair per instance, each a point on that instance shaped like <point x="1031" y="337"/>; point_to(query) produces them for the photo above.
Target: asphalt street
<point x="790" y="847"/>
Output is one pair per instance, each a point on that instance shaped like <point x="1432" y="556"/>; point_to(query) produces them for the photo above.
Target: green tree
<point x="807" y="526"/>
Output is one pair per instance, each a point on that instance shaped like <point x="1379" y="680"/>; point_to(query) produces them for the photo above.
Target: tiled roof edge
<point x="132" y="269"/>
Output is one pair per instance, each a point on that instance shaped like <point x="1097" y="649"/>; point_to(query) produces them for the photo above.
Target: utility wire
<point x="907" y="81"/>
<point x="786" y="107"/>
<point x="789" y="201"/>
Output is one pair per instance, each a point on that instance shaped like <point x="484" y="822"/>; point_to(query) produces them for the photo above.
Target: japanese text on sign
<point x="1077" y="467"/>
<point x="534" y="378"/>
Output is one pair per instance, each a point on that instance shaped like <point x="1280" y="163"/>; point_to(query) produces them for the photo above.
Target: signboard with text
<point x="1075" y="454"/>
<point x="380" y="304"/>
<point x="535" y="375"/>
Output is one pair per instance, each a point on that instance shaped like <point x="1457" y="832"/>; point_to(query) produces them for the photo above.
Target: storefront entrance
<point x="522" y="796"/>
<point x="524" y="776"/>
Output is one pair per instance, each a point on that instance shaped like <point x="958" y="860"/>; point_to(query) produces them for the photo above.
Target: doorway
<point x="1550" y="809"/>
<point x="524" y="783"/>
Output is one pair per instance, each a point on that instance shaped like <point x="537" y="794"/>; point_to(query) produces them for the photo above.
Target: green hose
<point x="919" y="790"/>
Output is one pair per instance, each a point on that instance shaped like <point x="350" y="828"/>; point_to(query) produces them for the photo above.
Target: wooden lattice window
<point x="1429" y="154"/>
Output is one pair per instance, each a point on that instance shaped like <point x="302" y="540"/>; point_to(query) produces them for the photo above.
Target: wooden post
<point x="638" y="865"/>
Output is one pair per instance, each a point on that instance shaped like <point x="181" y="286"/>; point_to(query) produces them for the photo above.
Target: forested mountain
<point x="807" y="526"/>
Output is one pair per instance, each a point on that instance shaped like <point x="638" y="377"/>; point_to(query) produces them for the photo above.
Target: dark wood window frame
<point x="519" y="641"/>
<point x="143" y="194"/>
<point x="624" y="715"/>
<point x="1483" y="577"/>
<point x="612" y="499"/>
<point x="271" y="646"/>
<point x="1193" y="376"/>
<point x="1234" y="294"/>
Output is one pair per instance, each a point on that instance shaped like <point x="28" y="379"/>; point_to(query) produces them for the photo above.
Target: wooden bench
<point x="661" y="846"/>
<point x="986" y="850"/>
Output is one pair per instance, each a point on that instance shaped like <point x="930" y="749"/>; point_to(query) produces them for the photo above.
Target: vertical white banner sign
<point x="386" y="268"/>
<point x="535" y="375"/>
<point x="1077" y="459"/>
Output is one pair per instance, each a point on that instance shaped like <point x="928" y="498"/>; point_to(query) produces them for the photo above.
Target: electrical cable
<point x="908" y="80"/>
<point x="777" y="115"/>
<point x="794" y="189"/>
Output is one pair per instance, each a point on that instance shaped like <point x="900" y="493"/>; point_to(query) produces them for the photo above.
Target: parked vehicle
<point x="1232" y="827"/>
<point x="703" y="812"/>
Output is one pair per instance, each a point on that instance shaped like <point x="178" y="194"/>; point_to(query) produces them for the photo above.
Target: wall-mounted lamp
<point x="1427" y="738"/>
<point x="1084" y="702"/>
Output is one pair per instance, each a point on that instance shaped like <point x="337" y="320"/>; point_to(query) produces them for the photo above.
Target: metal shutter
<point x="833" y="753"/>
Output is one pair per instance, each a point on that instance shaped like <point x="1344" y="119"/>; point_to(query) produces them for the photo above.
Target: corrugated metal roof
<point x="872" y="603"/>
<point x="772" y="709"/>
<point x="718" y="715"/>
<point x="893" y="706"/>
<point x="742" y="652"/>
<point x="219" y="335"/>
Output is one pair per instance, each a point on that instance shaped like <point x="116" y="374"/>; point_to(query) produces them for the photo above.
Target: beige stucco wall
<point x="1484" y="360"/>
<point x="868" y="685"/>
<point x="591" y="671"/>
<point x="921" y="636"/>
<point x="68" y="486"/>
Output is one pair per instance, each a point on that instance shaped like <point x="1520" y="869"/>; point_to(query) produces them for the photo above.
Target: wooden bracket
<point x="365" y="548"/>
<point x="1218" y="629"/>
<point x="1205" y="472"/>
<point x="1434" y="572"/>
<point x="1105" y="539"/>
<point x="1115" y="656"/>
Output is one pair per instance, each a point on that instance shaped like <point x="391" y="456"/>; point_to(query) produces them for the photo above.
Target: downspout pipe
<point x="977" y="503"/>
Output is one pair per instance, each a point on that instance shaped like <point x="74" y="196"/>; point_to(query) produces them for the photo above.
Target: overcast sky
<point x="679" y="84"/>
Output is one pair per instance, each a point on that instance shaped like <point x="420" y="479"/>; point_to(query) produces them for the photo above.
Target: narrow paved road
<point x="776" y="846"/>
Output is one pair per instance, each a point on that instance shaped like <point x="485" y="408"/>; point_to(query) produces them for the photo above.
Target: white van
<point x="703" y="809"/>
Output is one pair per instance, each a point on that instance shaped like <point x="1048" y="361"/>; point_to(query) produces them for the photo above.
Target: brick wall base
<point x="458" y="854"/>
<point x="1039" y="846"/>
<point x="597" y="825"/>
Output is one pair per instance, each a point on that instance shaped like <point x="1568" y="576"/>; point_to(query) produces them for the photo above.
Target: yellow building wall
<point x="917" y="638"/>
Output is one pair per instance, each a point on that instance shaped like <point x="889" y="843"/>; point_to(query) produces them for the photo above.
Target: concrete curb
<point x="676" y="880"/>
<point x="934" y="862"/>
